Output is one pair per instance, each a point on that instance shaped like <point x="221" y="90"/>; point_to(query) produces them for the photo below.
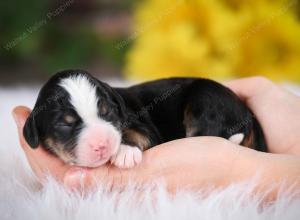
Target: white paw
<point x="237" y="138"/>
<point x="127" y="157"/>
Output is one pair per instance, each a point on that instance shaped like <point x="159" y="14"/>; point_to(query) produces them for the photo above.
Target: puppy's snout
<point x="101" y="148"/>
<point x="97" y="144"/>
<point x="98" y="148"/>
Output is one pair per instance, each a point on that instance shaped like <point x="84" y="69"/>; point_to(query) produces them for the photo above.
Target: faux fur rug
<point x="22" y="198"/>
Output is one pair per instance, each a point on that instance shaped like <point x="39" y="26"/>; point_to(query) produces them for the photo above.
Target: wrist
<point x="246" y="163"/>
<point x="270" y="171"/>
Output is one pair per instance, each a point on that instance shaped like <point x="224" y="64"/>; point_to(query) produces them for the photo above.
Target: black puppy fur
<point x="174" y="108"/>
<point x="147" y="114"/>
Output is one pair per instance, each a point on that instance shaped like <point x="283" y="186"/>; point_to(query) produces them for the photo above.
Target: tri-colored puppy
<point x="88" y="123"/>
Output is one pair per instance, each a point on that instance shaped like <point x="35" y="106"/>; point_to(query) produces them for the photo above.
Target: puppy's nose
<point x="100" y="147"/>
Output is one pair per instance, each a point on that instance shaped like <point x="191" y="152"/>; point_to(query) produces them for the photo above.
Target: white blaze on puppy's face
<point x="98" y="140"/>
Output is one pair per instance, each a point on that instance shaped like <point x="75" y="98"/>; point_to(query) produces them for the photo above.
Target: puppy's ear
<point x="121" y="103"/>
<point x="117" y="97"/>
<point x="30" y="132"/>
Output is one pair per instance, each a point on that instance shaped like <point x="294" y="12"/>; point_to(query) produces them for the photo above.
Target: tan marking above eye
<point x="103" y="109"/>
<point x="69" y="119"/>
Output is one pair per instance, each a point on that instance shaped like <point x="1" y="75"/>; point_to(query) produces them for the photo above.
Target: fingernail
<point x="17" y="119"/>
<point x="75" y="179"/>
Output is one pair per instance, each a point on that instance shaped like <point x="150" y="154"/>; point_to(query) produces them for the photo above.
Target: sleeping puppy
<point x="86" y="122"/>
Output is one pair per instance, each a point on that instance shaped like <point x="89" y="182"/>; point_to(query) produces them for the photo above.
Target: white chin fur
<point x="92" y="165"/>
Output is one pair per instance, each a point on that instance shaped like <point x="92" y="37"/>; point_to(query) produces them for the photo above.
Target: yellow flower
<point x="217" y="39"/>
<point x="270" y="44"/>
<point x="179" y="39"/>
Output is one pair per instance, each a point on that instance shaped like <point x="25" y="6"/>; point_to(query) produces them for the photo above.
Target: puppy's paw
<point x="127" y="157"/>
<point x="237" y="138"/>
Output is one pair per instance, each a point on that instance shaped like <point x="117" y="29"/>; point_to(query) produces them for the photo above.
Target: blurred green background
<point x="40" y="37"/>
<point x="147" y="39"/>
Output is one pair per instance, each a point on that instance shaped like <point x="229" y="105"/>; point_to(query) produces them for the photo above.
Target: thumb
<point x="76" y="179"/>
<point x="20" y="115"/>
<point x="246" y="88"/>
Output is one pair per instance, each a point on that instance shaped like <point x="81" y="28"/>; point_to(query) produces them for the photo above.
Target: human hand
<point x="277" y="110"/>
<point x="190" y="163"/>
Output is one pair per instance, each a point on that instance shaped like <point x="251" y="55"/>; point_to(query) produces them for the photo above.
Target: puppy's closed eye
<point x="66" y="122"/>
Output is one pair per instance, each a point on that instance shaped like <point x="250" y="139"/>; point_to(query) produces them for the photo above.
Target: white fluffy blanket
<point x="21" y="198"/>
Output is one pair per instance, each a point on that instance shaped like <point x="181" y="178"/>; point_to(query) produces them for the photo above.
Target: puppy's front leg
<point x="127" y="156"/>
<point x="133" y="143"/>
